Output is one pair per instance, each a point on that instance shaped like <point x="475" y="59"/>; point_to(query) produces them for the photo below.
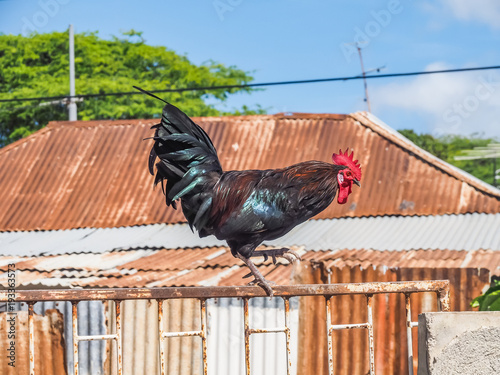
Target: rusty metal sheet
<point x="48" y="355"/>
<point x="183" y="259"/>
<point x="93" y="174"/>
<point x="114" y="279"/>
<point x="350" y="347"/>
<point x="487" y="259"/>
<point x="279" y="274"/>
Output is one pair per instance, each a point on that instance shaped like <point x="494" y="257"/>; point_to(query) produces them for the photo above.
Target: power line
<point x="262" y="84"/>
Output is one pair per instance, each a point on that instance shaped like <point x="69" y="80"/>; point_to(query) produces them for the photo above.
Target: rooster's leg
<point x="284" y="252"/>
<point x="259" y="279"/>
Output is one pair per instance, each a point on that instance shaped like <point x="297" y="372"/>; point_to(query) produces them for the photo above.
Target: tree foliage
<point x="490" y="300"/>
<point x="449" y="146"/>
<point x="38" y="66"/>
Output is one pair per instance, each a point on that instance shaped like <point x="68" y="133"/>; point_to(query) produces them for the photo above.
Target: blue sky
<point x="299" y="39"/>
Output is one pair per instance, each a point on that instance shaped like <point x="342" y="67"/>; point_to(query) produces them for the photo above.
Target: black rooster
<point x="244" y="208"/>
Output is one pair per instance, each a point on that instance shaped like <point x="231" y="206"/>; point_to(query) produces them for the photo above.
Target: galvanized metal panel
<point x="93" y="174"/>
<point x="457" y="232"/>
<point x="225" y="337"/>
<point x="226" y="342"/>
<point x="98" y="240"/>
<point x="139" y="335"/>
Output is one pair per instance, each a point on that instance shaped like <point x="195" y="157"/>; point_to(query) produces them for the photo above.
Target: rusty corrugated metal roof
<point x="215" y="266"/>
<point x="366" y="258"/>
<point x="94" y="173"/>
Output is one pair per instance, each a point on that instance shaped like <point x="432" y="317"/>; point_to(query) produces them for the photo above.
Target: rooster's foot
<point x="259" y="278"/>
<point x="288" y="254"/>
<point x="264" y="284"/>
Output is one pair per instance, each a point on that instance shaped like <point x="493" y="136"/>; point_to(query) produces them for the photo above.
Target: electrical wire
<point x="263" y="84"/>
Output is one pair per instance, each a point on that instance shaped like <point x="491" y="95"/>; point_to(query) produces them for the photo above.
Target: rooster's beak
<point x="357" y="182"/>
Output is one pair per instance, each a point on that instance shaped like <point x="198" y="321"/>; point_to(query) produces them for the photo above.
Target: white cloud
<point x="454" y="103"/>
<point x="487" y="11"/>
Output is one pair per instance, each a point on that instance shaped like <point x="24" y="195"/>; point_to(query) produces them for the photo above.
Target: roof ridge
<point x="76" y="124"/>
<point x="94" y="123"/>
<point x="146" y="121"/>
<point x="374" y="123"/>
<point x="151" y="121"/>
<point x="21" y="141"/>
<point x="308" y="115"/>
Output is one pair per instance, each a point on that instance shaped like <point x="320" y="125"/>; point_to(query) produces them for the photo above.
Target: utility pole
<point x="72" y="110"/>
<point x="367" y="99"/>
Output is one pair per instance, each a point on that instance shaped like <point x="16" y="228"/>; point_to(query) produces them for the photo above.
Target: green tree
<point x="449" y="146"/>
<point x="490" y="300"/>
<point x="38" y="66"/>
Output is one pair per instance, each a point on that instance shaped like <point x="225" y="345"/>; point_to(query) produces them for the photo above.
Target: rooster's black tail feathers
<point x="187" y="161"/>
<point x="150" y="94"/>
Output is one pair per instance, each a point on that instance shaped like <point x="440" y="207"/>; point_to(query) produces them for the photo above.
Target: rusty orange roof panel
<point x="94" y="173"/>
<point x="489" y="259"/>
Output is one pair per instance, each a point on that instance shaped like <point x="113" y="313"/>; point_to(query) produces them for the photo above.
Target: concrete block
<point x="459" y="343"/>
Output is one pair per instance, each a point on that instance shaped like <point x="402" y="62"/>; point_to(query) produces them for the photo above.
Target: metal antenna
<point x="367" y="99"/>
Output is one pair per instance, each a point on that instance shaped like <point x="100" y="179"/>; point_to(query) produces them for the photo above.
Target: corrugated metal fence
<point x="140" y="330"/>
<point x="91" y="321"/>
<point x="140" y="337"/>
<point x="226" y="338"/>
<point x="350" y="346"/>
<point x="49" y="353"/>
<point x="139" y="322"/>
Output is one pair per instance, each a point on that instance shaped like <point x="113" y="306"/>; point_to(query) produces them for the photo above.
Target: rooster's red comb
<point x="347" y="160"/>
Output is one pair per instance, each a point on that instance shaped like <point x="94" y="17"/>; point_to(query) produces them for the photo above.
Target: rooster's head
<point x="346" y="176"/>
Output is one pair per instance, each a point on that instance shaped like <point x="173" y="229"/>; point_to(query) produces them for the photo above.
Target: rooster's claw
<point x="264" y="284"/>
<point x="290" y="255"/>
